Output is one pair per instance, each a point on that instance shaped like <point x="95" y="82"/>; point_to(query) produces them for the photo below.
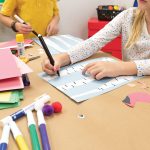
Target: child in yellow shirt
<point x="42" y="16"/>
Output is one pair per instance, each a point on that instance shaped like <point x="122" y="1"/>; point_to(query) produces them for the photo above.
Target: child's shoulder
<point x="129" y="13"/>
<point x="130" y="10"/>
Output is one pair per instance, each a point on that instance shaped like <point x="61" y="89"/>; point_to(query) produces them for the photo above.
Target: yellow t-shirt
<point x="36" y="12"/>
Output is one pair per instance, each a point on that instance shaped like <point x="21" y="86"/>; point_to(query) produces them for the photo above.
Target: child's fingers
<point x="48" y="31"/>
<point x="100" y="75"/>
<point x="47" y="67"/>
<point x="26" y="26"/>
<point x="50" y="72"/>
<point x="57" y="66"/>
<point x="87" y="67"/>
<point x="23" y="28"/>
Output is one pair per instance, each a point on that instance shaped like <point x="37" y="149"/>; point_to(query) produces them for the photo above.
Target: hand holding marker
<point x="41" y="41"/>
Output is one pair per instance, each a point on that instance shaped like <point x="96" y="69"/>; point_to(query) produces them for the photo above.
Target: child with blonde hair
<point x="134" y="26"/>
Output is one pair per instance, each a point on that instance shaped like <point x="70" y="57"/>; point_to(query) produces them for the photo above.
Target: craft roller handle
<point x="3" y="146"/>
<point x="34" y="137"/>
<point x="32" y="130"/>
<point x="17" y="135"/>
<point x="5" y="137"/>
<point x="44" y="137"/>
<point x="21" y="143"/>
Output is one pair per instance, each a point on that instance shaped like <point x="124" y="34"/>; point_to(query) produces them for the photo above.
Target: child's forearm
<point x="56" y="19"/>
<point x="6" y="20"/>
<point x="128" y="68"/>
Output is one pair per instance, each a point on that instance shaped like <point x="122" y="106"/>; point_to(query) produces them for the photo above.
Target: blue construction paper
<point x="60" y="43"/>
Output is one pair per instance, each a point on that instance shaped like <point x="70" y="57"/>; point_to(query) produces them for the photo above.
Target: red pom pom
<point x="57" y="107"/>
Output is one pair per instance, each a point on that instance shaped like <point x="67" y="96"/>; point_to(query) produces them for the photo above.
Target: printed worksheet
<point x="81" y="87"/>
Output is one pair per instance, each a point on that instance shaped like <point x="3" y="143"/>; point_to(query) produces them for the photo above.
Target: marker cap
<point x="19" y="38"/>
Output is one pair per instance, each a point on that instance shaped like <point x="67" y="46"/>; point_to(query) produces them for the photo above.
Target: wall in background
<point x="74" y="16"/>
<point x="5" y="33"/>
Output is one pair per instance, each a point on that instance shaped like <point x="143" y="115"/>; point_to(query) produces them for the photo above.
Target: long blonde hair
<point x="136" y="28"/>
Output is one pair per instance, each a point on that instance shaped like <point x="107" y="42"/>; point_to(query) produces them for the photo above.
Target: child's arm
<point x="101" y="69"/>
<point x="6" y="20"/>
<point x="60" y="61"/>
<point x="90" y="46"/>
<point x="52" y="28"/>
<point x="16" y="26"/>
<point x="143" y="67"/>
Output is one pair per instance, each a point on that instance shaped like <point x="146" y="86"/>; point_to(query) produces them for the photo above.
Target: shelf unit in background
<point x="114" y="47"/>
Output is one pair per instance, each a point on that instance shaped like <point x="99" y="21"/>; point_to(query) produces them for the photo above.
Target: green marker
<point x="33" y="133"/>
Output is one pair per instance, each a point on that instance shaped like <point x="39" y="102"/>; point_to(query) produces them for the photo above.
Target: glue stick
<point x="20" y="45"/>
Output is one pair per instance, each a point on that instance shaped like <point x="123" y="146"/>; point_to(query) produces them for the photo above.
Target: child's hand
<point x="60" y="60"/>
<point x="23" y="28"/>
<point x="101" y="69"/>
<point x="52" y="28"/>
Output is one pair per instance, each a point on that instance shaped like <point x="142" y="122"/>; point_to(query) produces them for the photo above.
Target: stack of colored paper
<point x="10" y="98"/>
<point x="10" y="75"/>
<point x="11" y="84"/>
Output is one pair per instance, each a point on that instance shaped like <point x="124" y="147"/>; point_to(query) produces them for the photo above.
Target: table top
<point x="103" y="122"/>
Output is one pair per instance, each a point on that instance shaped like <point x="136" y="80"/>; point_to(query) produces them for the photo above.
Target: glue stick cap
<point x="19" y="38"/>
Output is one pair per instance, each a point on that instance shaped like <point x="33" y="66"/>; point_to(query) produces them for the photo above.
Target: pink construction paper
<point x="24" y="68"/>
<point x="11" y="84"/>
<point x="138" y="97"/>
<point x="8" y="65"/>
<point x="13" y="43"/>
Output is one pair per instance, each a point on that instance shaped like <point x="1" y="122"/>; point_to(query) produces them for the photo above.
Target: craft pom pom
<point x="57" y="107"/>
<point x="48" y="110"/>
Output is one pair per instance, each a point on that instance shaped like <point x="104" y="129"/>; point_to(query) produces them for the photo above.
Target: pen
<point x="41" y="41"/>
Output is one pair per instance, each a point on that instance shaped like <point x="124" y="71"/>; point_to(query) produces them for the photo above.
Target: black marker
<point x="23" y="22"/>
<point x="47" y="51"/>
<point x="41" y="41"/>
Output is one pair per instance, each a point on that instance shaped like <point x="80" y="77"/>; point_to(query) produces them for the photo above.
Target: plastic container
<point x="20" y="44"/>
<point x="108" y="12"/>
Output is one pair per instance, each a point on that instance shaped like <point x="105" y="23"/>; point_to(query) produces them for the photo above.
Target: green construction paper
<point x="7" y="105"/>
<point x="11" y="96"/>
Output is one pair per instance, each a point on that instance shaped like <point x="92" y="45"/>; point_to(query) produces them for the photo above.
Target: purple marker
<point x="5" y="137"/>
<point x="42" y="126"/>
